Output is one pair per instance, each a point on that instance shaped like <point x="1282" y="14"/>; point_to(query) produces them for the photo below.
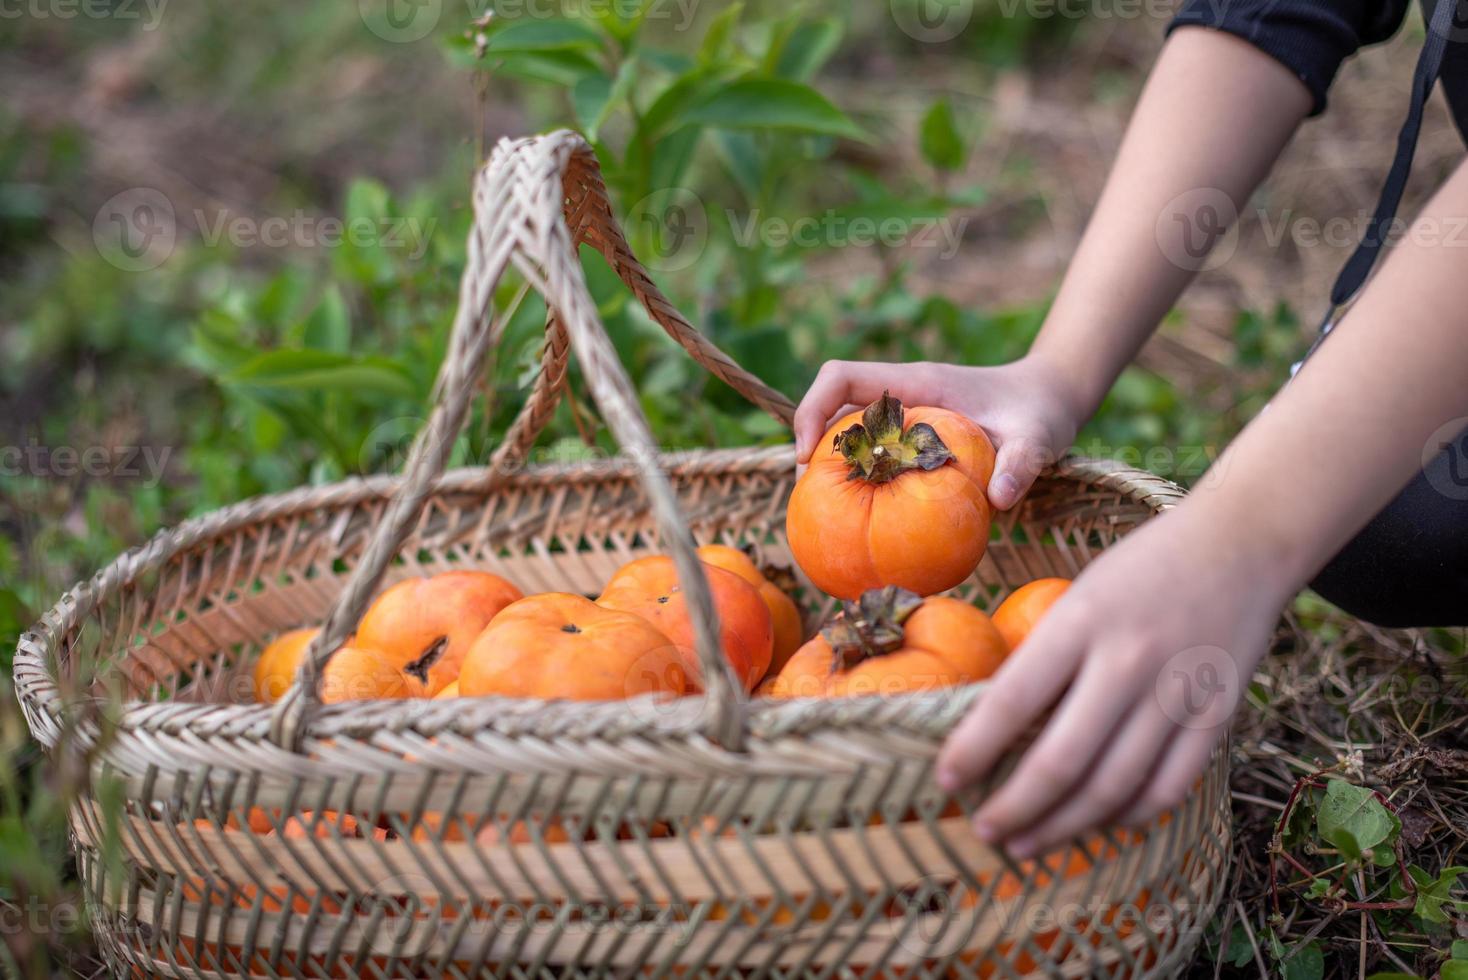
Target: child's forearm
<point x="1375" y="402"/>
<point x="1213" y="117"/>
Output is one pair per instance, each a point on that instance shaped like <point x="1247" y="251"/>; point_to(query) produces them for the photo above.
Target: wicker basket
<point x="482" y="837"/>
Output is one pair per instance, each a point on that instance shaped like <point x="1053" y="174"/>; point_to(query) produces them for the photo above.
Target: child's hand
<point x="1148" y="654"/>
<point x="1024" y="407"/>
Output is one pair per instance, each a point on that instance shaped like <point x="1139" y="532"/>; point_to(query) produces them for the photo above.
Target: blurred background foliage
<point x="232" y="367"/>
<point x="251" y="368"/>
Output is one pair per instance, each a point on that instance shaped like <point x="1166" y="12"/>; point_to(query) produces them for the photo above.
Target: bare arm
<point x="1341" y="440"/>
<point x="1215" y="115"/>
<point x="1205" y="583"/>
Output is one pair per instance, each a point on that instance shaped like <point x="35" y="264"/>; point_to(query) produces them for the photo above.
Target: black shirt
<point x="1312" y="37"/>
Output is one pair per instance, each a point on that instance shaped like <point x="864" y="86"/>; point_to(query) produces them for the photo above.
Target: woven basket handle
<point x="534" y="202"/>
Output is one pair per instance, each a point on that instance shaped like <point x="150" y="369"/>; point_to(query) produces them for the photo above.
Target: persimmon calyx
<point x="879" y="449"/>
<point x="869" y="627"/>
<point x="419" y="666"/>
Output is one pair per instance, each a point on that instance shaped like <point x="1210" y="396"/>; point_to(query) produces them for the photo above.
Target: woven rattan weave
<point x="708" y="836"/>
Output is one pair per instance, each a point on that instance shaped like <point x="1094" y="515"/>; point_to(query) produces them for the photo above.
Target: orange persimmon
<point x="890" y="642"/>
<point x="1019" y="613"/>
<point x="437" y="617"/>
<point x="784" y="613"/>
<point x="648" y="587"/>
<point x="558" y="645"/>
<point x="893" y="497"/>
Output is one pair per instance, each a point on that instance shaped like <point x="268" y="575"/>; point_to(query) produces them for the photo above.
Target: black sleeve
<point x="1309" y="37"/>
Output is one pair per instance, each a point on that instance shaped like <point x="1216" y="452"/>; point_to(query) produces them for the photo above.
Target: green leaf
<point x="1239" y="950"/>
<point x="1354" y="821"/>
<point x="329" y="327"/>
<point x="939" y="140"/>
<point x="562" y="68"/>
<point x="672" y="155"/>
<point x="716" y="42"/>
<point x="318" y="369"/>
<point x="1304" y="962"/>
<point x="676" y="99"/>
<point x="774" y="103"/>
<point x="590" y="97"/>
<point x="594" y="97"/>
<point x="367" y="201"/>
<point x="526" y="36"/>
<point x="1454" y="970"/>
<point x="1399" y="976"/>
<point x="216" y="345"/>
<point x="1433" y="894"/>
<point x="742" y="160"/>
<point x="1460" y="949"/>
<point x="810" y="46"/>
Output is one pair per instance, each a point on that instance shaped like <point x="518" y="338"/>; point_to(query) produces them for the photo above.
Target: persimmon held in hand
<point x="890" y="642"/>
<point x="558" y="645"/>
<point x="1019" y="613"/>
<point x="648" y="587"/>
<point x="784" y="613"/>
<point x="895" y="498"/>
<point x="448" y="610"/>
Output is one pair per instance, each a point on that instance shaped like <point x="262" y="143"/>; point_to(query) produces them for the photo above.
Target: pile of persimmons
<point x="890" y="513"/>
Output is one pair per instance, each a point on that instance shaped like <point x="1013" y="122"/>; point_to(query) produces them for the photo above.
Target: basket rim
<point x="923" y="714"/>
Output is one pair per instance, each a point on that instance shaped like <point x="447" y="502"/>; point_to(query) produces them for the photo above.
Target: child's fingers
<point x="1024" y="687"/>
<point x="1057" y="763"/>
<point x="1110" y="787"/>
<point x="1174" y="775"/>
<point x="838" y="383"/>
<point x="1018" y="462"/>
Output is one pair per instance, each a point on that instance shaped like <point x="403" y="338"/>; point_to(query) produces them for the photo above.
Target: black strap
<point x="1429" y="63"/>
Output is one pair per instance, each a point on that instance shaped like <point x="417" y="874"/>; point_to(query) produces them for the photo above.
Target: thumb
<point x="1020" y="460"/>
